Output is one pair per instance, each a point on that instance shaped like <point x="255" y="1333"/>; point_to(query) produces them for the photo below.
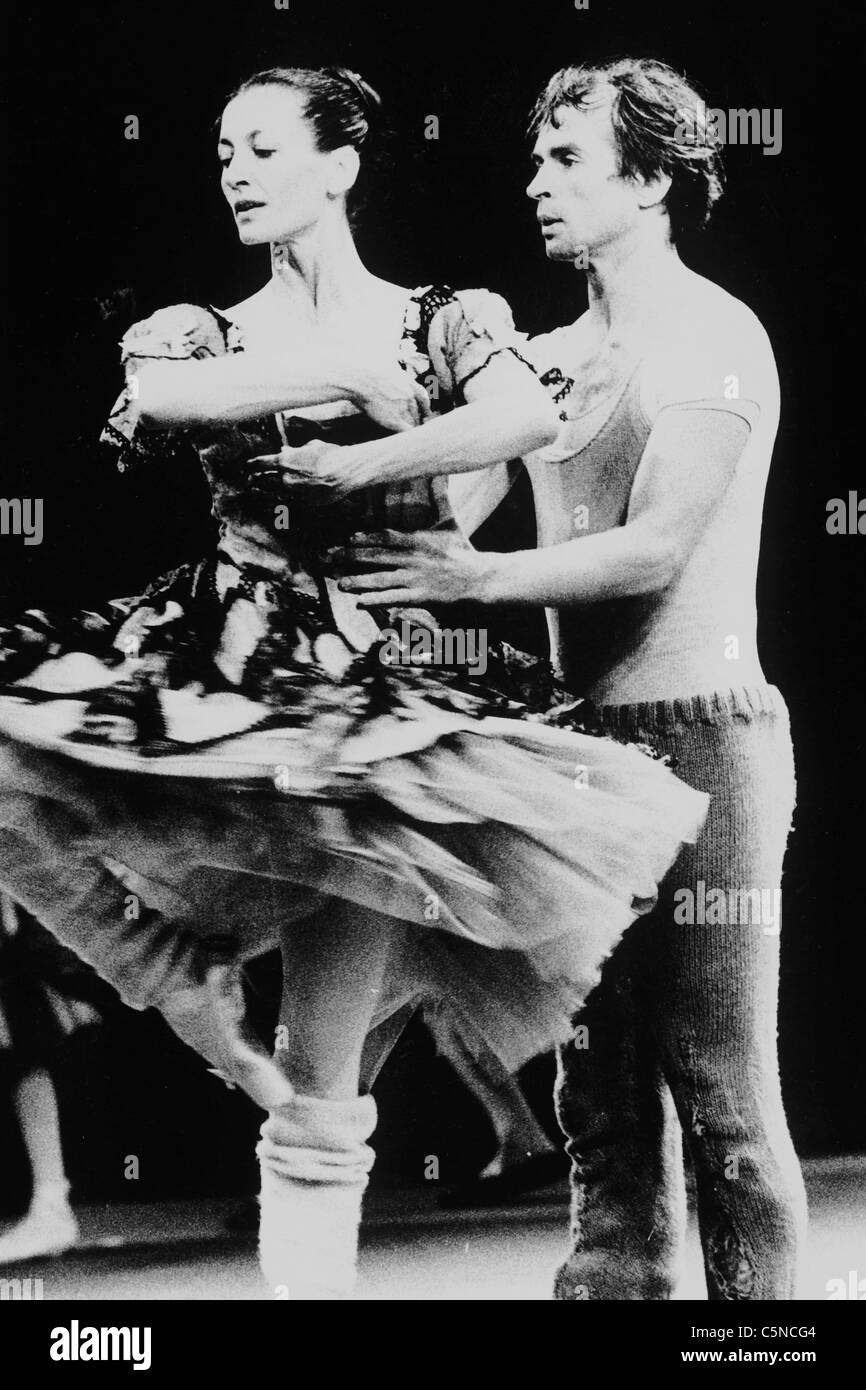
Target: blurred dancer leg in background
<point x="43" y="999"/>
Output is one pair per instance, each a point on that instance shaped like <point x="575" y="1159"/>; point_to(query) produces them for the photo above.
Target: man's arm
<point x="475" y="496"/>
<point x="686" y="468"/>
<point x="507" y="412"/>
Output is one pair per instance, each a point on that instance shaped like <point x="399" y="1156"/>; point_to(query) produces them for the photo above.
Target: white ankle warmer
<point x="315" y="1164"/>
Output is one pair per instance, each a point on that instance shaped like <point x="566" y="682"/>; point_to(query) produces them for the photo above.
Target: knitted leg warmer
<point x="315" y="1164"/>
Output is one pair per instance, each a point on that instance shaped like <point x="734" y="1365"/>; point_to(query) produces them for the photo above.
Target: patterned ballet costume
<point x="234" y="739"/>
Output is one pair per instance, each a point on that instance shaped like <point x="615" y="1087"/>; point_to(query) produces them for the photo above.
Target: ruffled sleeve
<point x="177" y="333"/>
<point x="467" y="333"/>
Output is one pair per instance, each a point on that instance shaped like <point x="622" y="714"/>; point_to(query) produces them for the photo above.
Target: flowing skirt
<point x="515" y="851"/>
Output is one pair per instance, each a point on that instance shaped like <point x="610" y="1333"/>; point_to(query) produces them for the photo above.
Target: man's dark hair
<point x="660" y="127"/>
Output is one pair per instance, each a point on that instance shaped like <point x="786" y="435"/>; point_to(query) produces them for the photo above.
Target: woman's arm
<point x="246" y="385"/>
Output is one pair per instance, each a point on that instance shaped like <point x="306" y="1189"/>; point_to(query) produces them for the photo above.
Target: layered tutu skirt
<point x="514" y="847"/>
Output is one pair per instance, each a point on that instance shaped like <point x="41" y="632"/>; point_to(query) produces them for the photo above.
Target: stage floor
<point x="410" y="1250"/>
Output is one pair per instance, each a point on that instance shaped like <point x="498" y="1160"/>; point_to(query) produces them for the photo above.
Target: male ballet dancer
<point x="649" y="516"/>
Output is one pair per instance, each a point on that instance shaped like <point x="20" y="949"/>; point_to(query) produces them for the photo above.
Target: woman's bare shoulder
<point x="248" y="308"/>
<point x="389" y="294"/>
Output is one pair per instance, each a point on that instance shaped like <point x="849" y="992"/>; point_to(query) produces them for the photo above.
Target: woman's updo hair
<point x="340" y="106"/>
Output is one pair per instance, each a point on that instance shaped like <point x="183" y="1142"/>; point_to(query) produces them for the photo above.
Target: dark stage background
<point x="103" y="230"/>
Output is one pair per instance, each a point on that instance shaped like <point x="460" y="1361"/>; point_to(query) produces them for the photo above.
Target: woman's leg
<point x="87" y="908"/>
<point x="519" y="1136"/>
<point x="382" y="1040"/>
<point x="314" y="1153"/>
<point x="334" y="969"/>
<point x="149" y="961"/>
<point x="49" y="1226"/>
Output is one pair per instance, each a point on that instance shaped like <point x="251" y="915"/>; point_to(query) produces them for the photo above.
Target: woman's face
<point x="273" y="176"/>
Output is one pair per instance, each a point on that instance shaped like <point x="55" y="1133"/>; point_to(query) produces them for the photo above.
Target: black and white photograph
<point x="431" y="679"/>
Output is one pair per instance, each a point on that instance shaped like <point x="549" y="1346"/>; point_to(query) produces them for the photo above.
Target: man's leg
<point x="716" y="1008"/>
<point x="711" y="1012"/>
<point x="628" y="1212"/>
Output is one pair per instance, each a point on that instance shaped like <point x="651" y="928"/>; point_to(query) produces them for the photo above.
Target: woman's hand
<point x="392" y="398"/>
<point x="393" y="568"/>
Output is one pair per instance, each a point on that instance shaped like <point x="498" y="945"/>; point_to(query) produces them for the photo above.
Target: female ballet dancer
<point x="237" y="738"/>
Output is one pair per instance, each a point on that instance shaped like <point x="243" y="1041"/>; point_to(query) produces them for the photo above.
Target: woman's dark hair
<point x="659" y="122"/>
<point x="340" y="106"/>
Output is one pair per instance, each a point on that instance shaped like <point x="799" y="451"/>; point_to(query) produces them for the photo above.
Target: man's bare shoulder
<point x="707" y="345"/>
<point x="559" y="344"/>
<point x="701" y="315"/>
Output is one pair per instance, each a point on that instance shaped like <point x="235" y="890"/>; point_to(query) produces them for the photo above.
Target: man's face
<point x="584" y="203"/>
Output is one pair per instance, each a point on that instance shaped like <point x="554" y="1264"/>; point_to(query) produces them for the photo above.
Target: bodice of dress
<point x="446" y="338"/>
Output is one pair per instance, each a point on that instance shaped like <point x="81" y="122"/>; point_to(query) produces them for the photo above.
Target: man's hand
<point x="391" y="568"/>
<point x="318" y="471"/>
